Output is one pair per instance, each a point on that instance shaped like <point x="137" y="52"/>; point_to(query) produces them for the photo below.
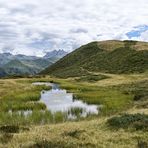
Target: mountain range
<point x="55" y="53"/>
<point x="27" y="65"/>
<point x="111" y="56"/>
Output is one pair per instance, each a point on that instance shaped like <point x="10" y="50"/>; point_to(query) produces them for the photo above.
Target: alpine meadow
<point x="73" y="74"/>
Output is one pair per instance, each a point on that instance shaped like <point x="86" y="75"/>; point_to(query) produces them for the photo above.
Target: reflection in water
<point x="58" y="99"/>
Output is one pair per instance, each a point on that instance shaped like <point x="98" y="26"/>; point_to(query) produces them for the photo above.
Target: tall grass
<point x="112" y="99"/>
<point x="21" y="95"/>
<point x="36" y="117"/>
<point x="18" y="97"/>
<point x="24" y="96"/>
<point x="75" y="112"/>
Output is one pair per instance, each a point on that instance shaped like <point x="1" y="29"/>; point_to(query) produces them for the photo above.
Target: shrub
<point x="9" y="129"/>
<point x="74" y="133"/>
<point x="92" y="78"/>
<point x="137" y="121"/>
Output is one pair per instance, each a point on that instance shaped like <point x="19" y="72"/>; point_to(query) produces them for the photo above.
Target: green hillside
<point x="37" y="64"/>
<point x="27" y="65"/>
<point x="14" y="63"/>
<point x="15" y="67"/>
<point x="24" y="67"/>
<point x="2" y="72"/>
<point x="107" y="56"/>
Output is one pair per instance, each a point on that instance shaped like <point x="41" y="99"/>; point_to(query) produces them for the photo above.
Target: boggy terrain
<point x="122" y="120"/>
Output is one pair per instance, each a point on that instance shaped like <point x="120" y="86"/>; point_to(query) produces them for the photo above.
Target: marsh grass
<point x="59" y="117"/>
<point x="36" y="117"/>
<point x="20" y="118"/>
<point x="24" y="97"/>
<point x="14" y="105"/>
<point x="18" y="96"/>
<point x="76" y="112"/>
<point x="112" y="99"/>
<point x="21" y="95"/>
<point x="139" y="91"/>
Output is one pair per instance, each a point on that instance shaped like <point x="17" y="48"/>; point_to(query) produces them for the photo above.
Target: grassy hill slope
<point x="37" y="64"/>
<point x="107" y="56"/>
<point x="23" y="67"/>
<point x="15" y="67"/>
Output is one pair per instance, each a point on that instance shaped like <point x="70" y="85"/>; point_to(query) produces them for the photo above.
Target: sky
<point x="34" y="27"/>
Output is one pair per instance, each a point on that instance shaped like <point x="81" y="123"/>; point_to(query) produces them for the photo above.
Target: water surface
<point x="59" y="100"/>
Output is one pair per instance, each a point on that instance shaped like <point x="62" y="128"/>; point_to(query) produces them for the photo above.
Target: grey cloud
<point x="7" y="49"/>
<point x="34" y="26"/>
<point x="27" y="8"/>
<point x="79" y="30"/>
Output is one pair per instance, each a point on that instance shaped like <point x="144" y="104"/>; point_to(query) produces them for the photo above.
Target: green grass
<point x="139" y="91"/>
<point x="113" y="100"/>
<point x="124" y="59"/>
<point x="19" y="96"/>
<point x="22" y="96"/>
<point x="76" y="111"/>
<point x="17" y="106"/>
<point x="36" y="117"/>
<point x="26" y="101"/>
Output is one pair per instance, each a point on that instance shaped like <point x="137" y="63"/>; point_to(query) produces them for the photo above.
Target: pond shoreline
<point x="59" y="100"/>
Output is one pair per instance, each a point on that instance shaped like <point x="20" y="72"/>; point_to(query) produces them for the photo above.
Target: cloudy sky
<point x="34" y="27"/>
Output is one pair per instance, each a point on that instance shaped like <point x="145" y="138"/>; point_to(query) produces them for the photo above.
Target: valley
<point x="96" y="96"/>
<point x="22" y="65"/>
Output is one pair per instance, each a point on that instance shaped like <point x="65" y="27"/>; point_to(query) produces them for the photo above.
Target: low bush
<point x="74" y="133"/>
<point x="92" y="78"/>
<point x="136" y="121"/>
<point x="9" y="129"/>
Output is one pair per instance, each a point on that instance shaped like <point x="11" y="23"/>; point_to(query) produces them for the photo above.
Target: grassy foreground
<point x="92" y="133"/>
<point x="119" y="94"/>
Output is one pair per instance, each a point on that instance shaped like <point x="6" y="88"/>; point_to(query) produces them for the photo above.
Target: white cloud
<point x="34" y="26"/>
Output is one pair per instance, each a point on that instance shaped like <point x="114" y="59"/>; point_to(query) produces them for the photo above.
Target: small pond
<point x="59" y="100"/>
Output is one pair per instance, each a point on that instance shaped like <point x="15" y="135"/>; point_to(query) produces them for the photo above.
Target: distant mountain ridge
<point x="56" y="53"/>
<point x="105" y="56"/>
<point x="27" y="65"/>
